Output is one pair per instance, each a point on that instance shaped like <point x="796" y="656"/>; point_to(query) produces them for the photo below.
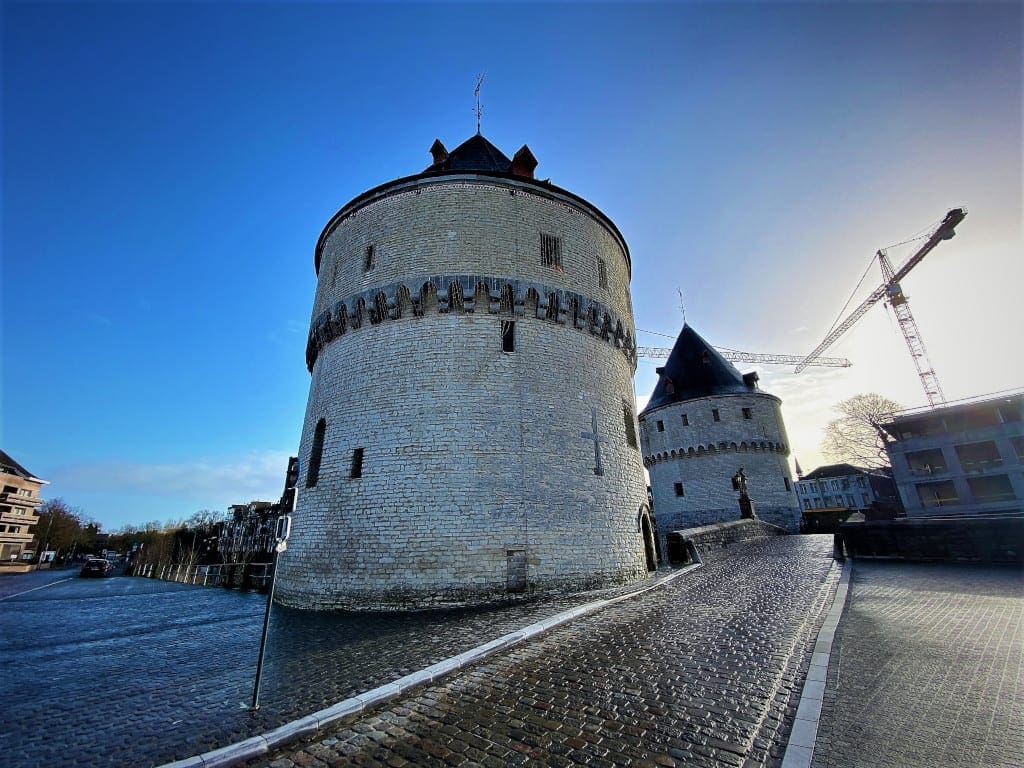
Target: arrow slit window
<point x="316" y="453"/>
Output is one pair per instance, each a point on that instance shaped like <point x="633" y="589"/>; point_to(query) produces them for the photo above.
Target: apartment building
<point x="965" y="458"/>
<point x="18" y="501"/>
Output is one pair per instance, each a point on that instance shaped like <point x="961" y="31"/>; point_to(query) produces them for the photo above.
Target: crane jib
<point x="891" y="289"/>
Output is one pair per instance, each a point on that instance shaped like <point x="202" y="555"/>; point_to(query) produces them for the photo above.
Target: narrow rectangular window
<point x="679" y="489"/>
<point x="551" y="251"/>
<point x="715" y="415"/>
<point x="686" y="420"/>
<point x="602" y="274"/>
<point x="315" y="453"/>
<point x="357" y="463"/>
<point x="747" y="413"/>
<point x="627" y="416"/>
<point x="786" y="481"/>
<point x="508" y="336"/>
<point x="368" y="261"/>
<point x="661" y="426"/>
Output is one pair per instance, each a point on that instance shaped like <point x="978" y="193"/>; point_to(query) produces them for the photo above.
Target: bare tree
<point x="62" y="528"/>
<point x="857" y="436"/>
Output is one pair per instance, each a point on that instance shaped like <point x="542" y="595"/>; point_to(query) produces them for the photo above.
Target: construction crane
<point x="734" y="356"/>
<point x="891" y="291"/>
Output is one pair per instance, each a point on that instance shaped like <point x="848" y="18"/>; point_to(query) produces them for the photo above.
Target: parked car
<point x="96" y="566"/>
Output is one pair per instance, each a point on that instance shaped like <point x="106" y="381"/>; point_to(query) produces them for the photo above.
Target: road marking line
<point x="8" y="597"/>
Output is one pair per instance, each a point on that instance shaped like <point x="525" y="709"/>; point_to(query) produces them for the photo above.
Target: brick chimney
<point x="438" y="152"/>
<point x="523" y="162"/>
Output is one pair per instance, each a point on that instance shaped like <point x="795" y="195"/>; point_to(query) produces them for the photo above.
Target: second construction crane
<point x="735" y="356"/>
<point x="891" y="291"/>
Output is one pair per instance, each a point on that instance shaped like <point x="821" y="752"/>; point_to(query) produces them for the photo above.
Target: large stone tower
<point x="470" y="429"/>
<point x="704" y="422"/>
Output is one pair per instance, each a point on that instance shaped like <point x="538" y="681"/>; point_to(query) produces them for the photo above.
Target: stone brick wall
<point x="473" y="459"/>
<point x="704" y="454"/>
<point x="463" y="224"/>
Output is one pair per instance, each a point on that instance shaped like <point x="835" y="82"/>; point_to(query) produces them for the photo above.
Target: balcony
<point x="9" y="517"/>
<point x="991" y="489"/>
<point x="940" y="494"/>
<point x="13" y="497"/>
<point x="979" y="457"/>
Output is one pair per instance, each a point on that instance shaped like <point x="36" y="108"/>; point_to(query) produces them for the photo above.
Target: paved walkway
<point x="927" y="669"/>
<point x="702" y="672"/>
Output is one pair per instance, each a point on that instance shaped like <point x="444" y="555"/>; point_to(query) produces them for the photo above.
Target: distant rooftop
<point x="840" y="470"/>
<point x="11" y="467"/>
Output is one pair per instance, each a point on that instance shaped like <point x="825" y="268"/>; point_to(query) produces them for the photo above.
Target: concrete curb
<point x="800" y="748"/>
<point x="311" y="724"/>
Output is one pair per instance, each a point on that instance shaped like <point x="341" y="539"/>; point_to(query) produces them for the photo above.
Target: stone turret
<point x="704" y="422"/>
<point x="470" y="429"/>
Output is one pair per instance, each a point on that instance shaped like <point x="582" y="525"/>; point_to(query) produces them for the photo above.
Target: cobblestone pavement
<point x="927" y="669"/>
<point x="135" y="672"/>
<point x="704" y="671"/>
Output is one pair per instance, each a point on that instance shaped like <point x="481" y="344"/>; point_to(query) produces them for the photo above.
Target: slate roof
<point x="11" y="467"/>
<point x="842" y="470"/>
<point x="696" y="369"/>
<point x="474" y="154"/>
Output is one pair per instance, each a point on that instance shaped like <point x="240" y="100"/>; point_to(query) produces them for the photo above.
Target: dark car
<point x="96" y="566"/>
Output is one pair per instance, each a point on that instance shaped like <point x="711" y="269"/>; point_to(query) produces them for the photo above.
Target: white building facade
<point x="844" y="486"/>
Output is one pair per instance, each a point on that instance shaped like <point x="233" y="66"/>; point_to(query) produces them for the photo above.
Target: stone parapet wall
<point x="467" y="294"/>
<point x="973" y="539"/>
<point x="708" y="538"/>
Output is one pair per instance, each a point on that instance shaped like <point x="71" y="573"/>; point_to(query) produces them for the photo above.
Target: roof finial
<point x="682" y="306"/>
<point x="476" y="92"/>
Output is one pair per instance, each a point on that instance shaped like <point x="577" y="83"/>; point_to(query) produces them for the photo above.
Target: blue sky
<point x="167" y="169"/>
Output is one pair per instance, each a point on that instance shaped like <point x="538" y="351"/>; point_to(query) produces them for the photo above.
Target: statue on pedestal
<point x="739" y="483"/>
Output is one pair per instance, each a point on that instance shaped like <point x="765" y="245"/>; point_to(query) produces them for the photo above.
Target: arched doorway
<point x="647" y="531"/>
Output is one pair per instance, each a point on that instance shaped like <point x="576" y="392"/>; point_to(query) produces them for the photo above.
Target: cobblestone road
<point x="136" y="672"/>
<point x="927" y="669"/>
<point x="701" y="672"/>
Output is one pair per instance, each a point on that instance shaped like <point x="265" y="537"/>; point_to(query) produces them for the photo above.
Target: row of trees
<point x="64" y="529"/>
<point x="183" y="541"/>
<point x="67" y="531"/>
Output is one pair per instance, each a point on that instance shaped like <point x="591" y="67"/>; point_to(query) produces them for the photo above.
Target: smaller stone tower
<point x="704" y="422"/>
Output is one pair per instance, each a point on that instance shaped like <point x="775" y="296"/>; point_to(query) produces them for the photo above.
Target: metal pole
<point x="263" y="639"/>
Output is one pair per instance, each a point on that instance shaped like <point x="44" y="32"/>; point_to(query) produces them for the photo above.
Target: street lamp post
<point x="283" y="530"/>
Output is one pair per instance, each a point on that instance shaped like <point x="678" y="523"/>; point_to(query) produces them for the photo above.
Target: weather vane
<point x="682" y="306"/>
<point x="476" y="92"/>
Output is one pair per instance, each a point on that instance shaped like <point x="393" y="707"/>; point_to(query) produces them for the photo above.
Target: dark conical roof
<point x="474" y="154"/>
<point x="696" y="369"/>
